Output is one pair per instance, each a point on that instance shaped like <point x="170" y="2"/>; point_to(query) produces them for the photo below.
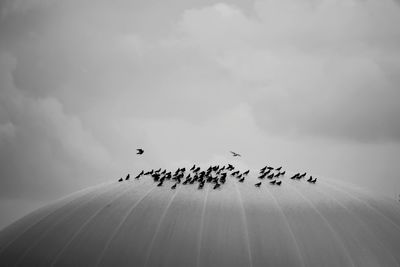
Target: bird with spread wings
<point x="235" y="154"/>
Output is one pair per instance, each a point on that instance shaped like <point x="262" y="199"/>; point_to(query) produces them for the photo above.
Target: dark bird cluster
<point x="272" y="174"/>
<point x="214" y="175"/>
<point x="299" y="176"/>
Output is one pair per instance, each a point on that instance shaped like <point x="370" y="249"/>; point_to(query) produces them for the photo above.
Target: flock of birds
<point x="215" y="175"/>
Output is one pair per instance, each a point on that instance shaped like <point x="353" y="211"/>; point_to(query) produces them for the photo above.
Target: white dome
<point x="136" y="223"/>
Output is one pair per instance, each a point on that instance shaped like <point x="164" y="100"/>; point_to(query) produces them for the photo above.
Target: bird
<point x="262" y="176"/>
<point x="270" y="168"/>
<point x="263" y="169"/>
<point x="301" y="176"/>
<point x="258" y="184"/>
<point x="140" y="174"/>
<point x="278" y="169"/>
<point x="235" y="154"/>
<point x="174" y="186"/>
<point x="273" y="182"/>
<point x="313" y="181"/>
<point x="309" y="179"/>
<point x="246" y="172"/>
<point x="270" y="176"/>
<point x="128" y="176"/>
<point x="139" y="151"/>
<point x="216" y="186"/>
<point x="230" y="167"/>
<point x="160" y="183"/>
<point x="294" y="176"/>
<point x="278" y="183"/>
<point x="120" y="179"/>
<point x="241" y="180"/>
<point x="283" y="173"/>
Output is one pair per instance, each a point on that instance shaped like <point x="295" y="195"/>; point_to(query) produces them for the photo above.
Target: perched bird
<point x="140" y="174"/>
<point x="139" y="151"/>
<point x="258" y="184"/>
<point x="262" y="176"/>
<point x="235" y="154"/>
<point x="278" y="183"/>
<point x="174" y="186"/>
<point x="120" y="179"/>
<point x="295" y="176"/>
<point x="273" y="182"/>
<point x="127" y="177"/>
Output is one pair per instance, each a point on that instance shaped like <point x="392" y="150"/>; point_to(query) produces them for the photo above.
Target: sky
<point x="312" y="85"/>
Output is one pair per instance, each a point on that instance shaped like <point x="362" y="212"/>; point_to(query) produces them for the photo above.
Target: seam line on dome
<point x="87" y="190"/>
<point x="117" y="229"/>
<point x="54" y="225"/>
<point x="200" y="238"/>
<point x="76" y="234"/>
<point x="336" y="236"/>
<point x="149" y="250"/>
<point x="246" y="228"/>
<point x="289" y="228"/>
<point x="366" y="227"/>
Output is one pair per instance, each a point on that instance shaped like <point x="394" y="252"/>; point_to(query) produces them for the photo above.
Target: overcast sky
<point x="313" y="85"/>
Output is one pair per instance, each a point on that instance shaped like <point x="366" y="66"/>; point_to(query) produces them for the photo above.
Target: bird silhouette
<point x="270" y="176"/>
<point x="235" y="154"/>
<point x="216" y="185"/>
<point x="258" y="184"/>
<point x="139" y="151"/>
<point x="295" y="176"/>
<point x="230" y="167"/>
<point x="246" y="172"/>
<point x="313" y="181"/>
<point x="283" y="173"/>
<point x="278" y="169"/>
<point x="241" y="180"/>
<point x="127" y="177"/>
<point x="273" y="182"/>
<point x="120" y="179"/>
<point x="174" y="186"/>
<point x="309" y="179"/>
<point x="278" y="183"/>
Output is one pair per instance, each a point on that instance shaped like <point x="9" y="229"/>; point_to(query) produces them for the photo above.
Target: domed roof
<point x="137" y="223"/>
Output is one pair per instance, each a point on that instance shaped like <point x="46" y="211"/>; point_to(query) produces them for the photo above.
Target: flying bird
<point x="278" y="183"/>
<point x="278" y="169"/>
<point x="139" y="151"/>
<point x="174" y="186"/>
<point x="120" y="180"/>
<point x="128" y="176"/>
<point x="258" y="184"/>
<point x="235" y="154"/>
<point x="273" y="182"/>
<point x="246" y="172"/>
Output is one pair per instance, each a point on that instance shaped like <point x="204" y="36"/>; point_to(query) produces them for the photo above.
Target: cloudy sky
<point x="313" y="85"/>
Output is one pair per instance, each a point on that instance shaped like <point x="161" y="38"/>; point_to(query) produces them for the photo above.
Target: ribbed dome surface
<point x="136" y="223"/>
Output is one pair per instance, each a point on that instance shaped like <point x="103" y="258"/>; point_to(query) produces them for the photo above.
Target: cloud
<point x="42" y="147"/>
<point x="304" y="70"/>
